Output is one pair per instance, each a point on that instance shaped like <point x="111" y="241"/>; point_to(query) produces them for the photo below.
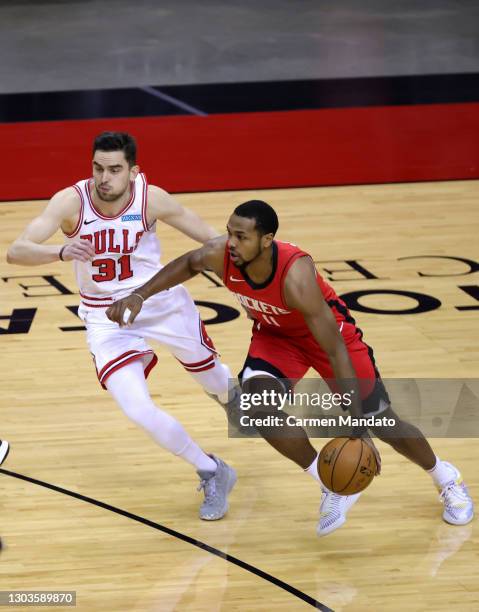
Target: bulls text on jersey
<point x="105" y="241"/>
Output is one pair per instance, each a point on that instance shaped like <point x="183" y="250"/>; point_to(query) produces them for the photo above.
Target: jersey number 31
<point x="107" y="269"/>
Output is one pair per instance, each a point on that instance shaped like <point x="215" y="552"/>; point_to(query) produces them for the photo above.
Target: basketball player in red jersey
<point x="299" y="322"/>
<point x="109" y="222"/>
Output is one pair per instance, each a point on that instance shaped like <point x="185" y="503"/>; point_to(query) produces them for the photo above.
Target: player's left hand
<point x="125" y="311"/>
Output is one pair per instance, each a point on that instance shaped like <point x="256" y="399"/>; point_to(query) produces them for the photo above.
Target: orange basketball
<point x="346" y="466"/>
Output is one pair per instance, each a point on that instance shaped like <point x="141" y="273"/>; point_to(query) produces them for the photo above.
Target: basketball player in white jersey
<point x="109" y="222"/>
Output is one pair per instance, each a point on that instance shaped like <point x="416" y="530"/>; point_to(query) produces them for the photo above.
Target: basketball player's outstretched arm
<point x="208" y="257"/>
<point x="62" y="211"/>
<point x="163" y="206"/>
<point x="301" y="291"/>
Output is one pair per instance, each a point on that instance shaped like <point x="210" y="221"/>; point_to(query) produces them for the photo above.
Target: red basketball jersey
<point x="265" y="303"/>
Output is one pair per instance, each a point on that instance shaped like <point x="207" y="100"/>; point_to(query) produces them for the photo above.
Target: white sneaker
<point x="333" y="510"/>
<point x="458" y="505"/>
<point x="4" y="449"/>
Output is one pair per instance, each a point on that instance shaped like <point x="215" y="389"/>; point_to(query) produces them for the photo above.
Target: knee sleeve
<point x="216" y="381"/>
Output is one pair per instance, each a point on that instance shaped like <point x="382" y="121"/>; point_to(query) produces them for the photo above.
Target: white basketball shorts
<point x="170" y="317"/>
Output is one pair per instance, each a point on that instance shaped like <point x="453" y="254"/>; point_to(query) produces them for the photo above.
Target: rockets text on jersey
<point x="265" y="302"/>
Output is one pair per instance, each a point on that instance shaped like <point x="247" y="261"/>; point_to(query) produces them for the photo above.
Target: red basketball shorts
<point x="290" y="357"/>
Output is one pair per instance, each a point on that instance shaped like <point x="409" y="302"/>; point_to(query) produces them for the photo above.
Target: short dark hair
<point x="266" y="219"/>
<point x="117" y="141"/>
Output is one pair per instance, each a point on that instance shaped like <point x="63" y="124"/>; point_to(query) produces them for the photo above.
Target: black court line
<point x="176" y="534"/>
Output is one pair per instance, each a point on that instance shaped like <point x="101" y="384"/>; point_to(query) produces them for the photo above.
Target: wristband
<point x="138" y="295"/>
<point x="60" y="254"/>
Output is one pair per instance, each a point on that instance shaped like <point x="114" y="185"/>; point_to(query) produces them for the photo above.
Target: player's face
<point x="245" y="243"/>
<point x="112" y="174"/>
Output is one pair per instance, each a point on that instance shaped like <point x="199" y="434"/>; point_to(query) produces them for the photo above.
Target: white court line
<point x="174" y="101"/>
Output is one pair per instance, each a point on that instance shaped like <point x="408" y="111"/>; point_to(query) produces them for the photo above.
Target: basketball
<point x="346" y="466"/>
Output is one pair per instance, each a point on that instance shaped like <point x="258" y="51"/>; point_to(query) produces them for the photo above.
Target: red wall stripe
<point x="254" y="150"/>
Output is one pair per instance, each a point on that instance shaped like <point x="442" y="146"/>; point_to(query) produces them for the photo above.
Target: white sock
<point x="197" y="457"/>
<point x="128" y="387"/>
<point x="441" y="473"/>
<point x="313" y="470"/>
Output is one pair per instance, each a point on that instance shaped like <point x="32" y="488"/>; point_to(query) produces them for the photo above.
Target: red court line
<point x="255" y="150"/>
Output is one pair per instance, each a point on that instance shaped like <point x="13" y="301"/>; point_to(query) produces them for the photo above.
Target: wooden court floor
<point x="394" y="553"/>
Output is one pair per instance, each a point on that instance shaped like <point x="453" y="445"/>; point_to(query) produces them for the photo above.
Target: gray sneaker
<point x="216" y="485"/>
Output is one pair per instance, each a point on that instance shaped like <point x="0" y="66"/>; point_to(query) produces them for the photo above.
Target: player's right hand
<point x="82" y="250"/>
<point x="377" y="456"/>
<point x="118" y="312"/>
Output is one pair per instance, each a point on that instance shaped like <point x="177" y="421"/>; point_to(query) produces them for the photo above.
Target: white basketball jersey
<point x="127" y="251"/>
